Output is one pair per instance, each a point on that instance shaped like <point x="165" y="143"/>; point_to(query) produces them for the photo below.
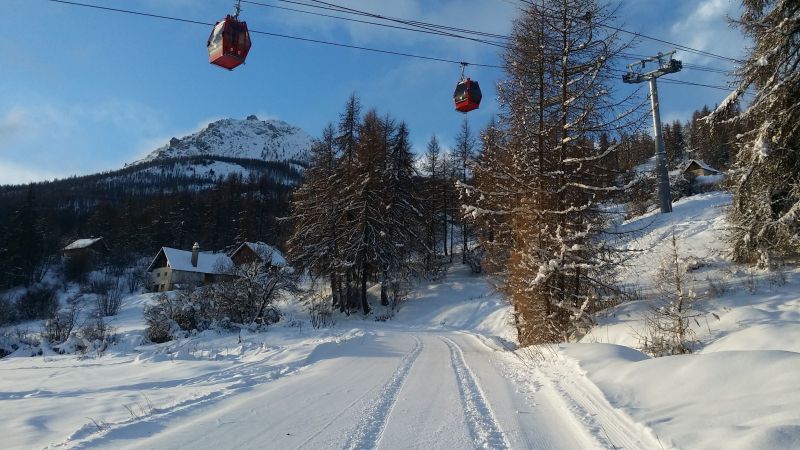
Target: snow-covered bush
<point x="243" y="300"/>
<point x="474" y="259"/>
<point x="247" y="297"/>
<point x="19" y="338"/>
<point x="8" y="311"/>
<point x="668" y="324"/>
<point x="59" y="327"/>
<point x="320" y="310"/>
<point x="77" y="268"/>
<point x="172" y="313"/>
<point x="109" y="302"/>
<point x="679" y="187"/>
<point x="96" y="334"/>
<point x="37" y="303"/>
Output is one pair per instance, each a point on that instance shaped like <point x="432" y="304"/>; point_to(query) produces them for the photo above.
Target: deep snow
<point x="443" y="373"/>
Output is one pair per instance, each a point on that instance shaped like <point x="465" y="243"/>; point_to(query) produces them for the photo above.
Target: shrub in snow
<point x="244" y="300"/>
<point x="320" y="310"/>
<point x="679" y="187"/>
<point x="668" y="324"/>
<point x="109" y="302"/>
<point x="247" y="297"/>
<point x="133" y="279"/>
<point x="19" y="338"/>
<point x="59" y="327"/>
<point x="8" y="311"/>
<point x="96" y="334"/>
<point x="474" y="259"/>
<point x="37" y="303"/>
<point x="77" y="268"/>
<point x="170" y="314"/>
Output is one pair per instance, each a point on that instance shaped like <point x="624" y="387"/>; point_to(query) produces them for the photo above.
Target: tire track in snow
<point x="483" y="425"/>
<point x="370" y="428"/>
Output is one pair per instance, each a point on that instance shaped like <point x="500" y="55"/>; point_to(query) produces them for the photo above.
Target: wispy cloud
<point x="705" y="27"/>
<point x="13" y="173"/>
<point x="42" y="139"/>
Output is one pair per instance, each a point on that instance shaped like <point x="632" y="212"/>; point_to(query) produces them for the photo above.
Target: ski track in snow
<point x="367" y="434"/>
<point x="483" y="425"/>
<point x="609" y="426"/>
<point x="241" y="377"/>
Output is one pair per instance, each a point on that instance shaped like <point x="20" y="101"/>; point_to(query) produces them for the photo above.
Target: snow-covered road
<point x="391" y="388"/>
<point x="438" y="375"/>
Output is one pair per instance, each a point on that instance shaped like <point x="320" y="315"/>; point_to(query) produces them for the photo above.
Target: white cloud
<point x="13" y="173"/>
<point x="706" y="28"/>
<point x="489" y="16"/>
<point x="42" y="139"/>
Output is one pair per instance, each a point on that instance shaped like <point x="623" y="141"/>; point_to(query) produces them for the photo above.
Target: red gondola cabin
<point x="229" y="43"/>
<point x="467" y="95"/>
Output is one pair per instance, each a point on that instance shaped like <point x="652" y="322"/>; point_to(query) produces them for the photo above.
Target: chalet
<point x="259" y="252"/>
<point x="697" y="168"/>
<point x="173" y="268"/>
<point x="90" y="248"/>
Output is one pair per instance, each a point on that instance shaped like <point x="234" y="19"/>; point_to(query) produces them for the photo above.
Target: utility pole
<point x="665" y="65"/>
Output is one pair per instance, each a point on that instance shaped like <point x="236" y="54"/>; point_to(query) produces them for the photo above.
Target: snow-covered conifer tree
<point x="766" y="204"/>
<point x="542" y="182"/>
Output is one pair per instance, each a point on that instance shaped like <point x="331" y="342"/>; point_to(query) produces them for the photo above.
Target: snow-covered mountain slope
<point x="269" y="140"/>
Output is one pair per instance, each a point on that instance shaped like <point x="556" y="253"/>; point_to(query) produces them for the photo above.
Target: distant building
<point x="697" y="168"/>
<point x="91" y="248"/>
<point x="257" y="252"/>
<point x="174" y="269"/>
<point x="702" y="177"/>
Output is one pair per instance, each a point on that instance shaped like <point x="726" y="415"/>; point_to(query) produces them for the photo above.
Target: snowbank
<point x="739" y="389"/>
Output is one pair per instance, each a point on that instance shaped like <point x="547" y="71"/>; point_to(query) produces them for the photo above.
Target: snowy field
<point x="442" y="374"/>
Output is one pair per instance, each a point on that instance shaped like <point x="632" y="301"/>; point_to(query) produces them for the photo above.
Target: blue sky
<point x="83" y="91"/>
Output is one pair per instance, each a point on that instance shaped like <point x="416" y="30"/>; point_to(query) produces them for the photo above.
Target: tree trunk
<point x="364" y="302"/>
<point x="348" y="291"/>
<point x="334" y="293"/>
<point x="385" y="288"/>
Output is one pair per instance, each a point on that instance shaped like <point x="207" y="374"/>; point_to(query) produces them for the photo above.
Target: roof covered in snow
<point x="83" y="243"/>
<point x="214" y="263"/>
<point x="264" y="251"/>
<point x="703" y="165"/>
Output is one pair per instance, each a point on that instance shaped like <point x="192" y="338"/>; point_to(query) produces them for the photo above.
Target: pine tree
<point x="24" y="243"/>
<point x="766" y="204"/>
<point x="544" y="184"/>
<point x="432" y="165"/>
<point x="463" y="153"/>
<point x="318" y="218"/>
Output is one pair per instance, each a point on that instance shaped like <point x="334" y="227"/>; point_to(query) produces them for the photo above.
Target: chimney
<point x="195" y="253"/>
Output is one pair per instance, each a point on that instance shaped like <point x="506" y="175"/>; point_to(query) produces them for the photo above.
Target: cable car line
<point x="340" y="8"/>
<point x="267" y="33"/>
<point x="422" y="26"/>
<point x="319" y="41"/>
<point x="333" y="7"/>
<point x="386" y="25"/>
<point x="685" y="48"/>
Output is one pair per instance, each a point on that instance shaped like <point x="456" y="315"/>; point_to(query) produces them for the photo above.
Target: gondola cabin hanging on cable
<point x="229" y="42"/>
<point x="468" y="93"/>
